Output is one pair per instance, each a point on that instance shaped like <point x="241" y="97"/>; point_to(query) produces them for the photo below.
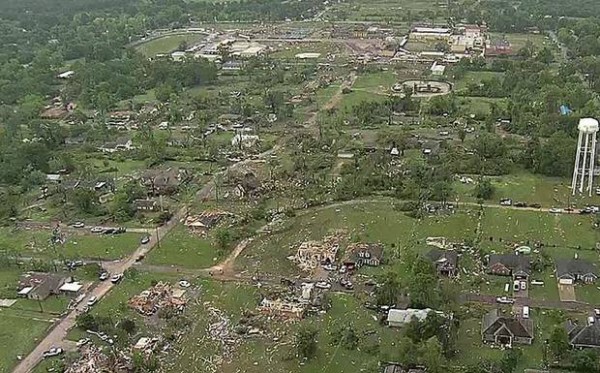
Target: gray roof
<point x="511" y="261"/>
<point x="583" y="335"/>
<point x="493" y="321"/>
<point x="574" y="267"/>
<point x="440" y="256"/>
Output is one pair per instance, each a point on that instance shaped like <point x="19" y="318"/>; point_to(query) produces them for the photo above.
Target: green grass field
<point x="19" y="333"/>
<point x="184" y="249"/>
<point x="166" y="44"/>
<point x="475" y="77"/>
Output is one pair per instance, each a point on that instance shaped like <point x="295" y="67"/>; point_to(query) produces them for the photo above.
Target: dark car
<point x="536" y="205"/>
<point x="520" y="204"/>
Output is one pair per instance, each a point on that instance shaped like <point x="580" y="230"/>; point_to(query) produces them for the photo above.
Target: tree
<point x="345" y="337"/>
<point x="559" y="342"/>
<point x="510" y="360"/>
<point x="223" y="238"/>
<point x="408" y="352"/>
<point x="484" y="189"/>
<point x="305" y="342"/>
<point x="86" y="321"/>
<point x="462" y="134"/>
<point x="389" y="291"/>
<point x="431" y="355"/>
<point x="586" y="361"/>
<point x="423" y="286"/>
<point x="128" y="325"/>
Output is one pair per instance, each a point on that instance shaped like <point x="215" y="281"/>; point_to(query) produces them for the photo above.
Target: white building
<point x="398" y="318"/>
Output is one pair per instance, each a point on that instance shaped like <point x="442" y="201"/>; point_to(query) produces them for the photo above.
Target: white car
<point x="145" y="240"/>
<point x="97" y="230"/>
<point x="116" y="278"/>
<point x="83" y="342"/>
<point x="92" y="301"/>
<point x="78" y="224"/>
<point x="54" y="351"/>
<point x="523" y="285"/>
<point x="323" y="285"/>
<point x="184" y="284"/>
<point x="505" y="300"/>
<point x="555" y="211"/>
<point x="103" y="276"/>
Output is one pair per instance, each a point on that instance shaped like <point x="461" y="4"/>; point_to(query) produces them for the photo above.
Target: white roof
<point x="308" y="55"/>
<point x="142" y="343"/>
<point x="405" y="316"/>
<point x="432" y="30"/>
<point x="25" y="291"/>
<point x="438" y="68"/>
<point x="66" y="74"/>
<point x="53" y="177"/>
<point x="73" y="287"/>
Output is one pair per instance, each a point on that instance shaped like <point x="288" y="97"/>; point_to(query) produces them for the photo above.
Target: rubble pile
<point x="159" y="296"/>
<point x="312" y="254"/>
<point x="93" y="360"/>
<point x="221" y="330"/>
<point x="206" y="220"/>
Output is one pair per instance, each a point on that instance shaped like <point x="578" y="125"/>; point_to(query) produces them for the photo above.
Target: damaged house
<point x="359" y="254"/>
<point x="312" y="254"/>
<point x="164" y="182"/>
<point x="282" y="308"/>
<point x="39" y="286"/>
<point x="445" y="261"/>
<point x="207" y="220"/>
<point x="160" y="296"/>
<point x="569" y="271"/>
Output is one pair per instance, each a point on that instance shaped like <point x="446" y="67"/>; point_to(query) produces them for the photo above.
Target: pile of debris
<point x="160" y="296"/>
<point x="287" y="309"/>
<point x="93" y="360"/>
<point x="312" y="254"/>
<point x="206" y="220"/>
<point x="221" y="330"/>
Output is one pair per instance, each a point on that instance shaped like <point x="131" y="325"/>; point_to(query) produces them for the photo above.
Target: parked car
<point x="520" y="204"/>
<point x="537" y="282"/>
<point x="54" y="351"/>
<point x="516" y="285"/>
<point x="525" y="312"/>
<point x="506" y="202"/>
<point x="97" y="230"/>
<point x="505" y="300"/>
<point x="536" y="205"/>
<point x="184" y="284"/>
<point x="323" y="285"/>
<point x="103" y="276"/>
<point x="92" y="301"/>
<point x="145" y="240"/>
<point x="555" y="210"/>
<point x="286" y="281"/>
<point x="83" y="342"/>
<point x="523" y="285"/>
<point x="78" y="224"/>
<point x="116" y="278"/>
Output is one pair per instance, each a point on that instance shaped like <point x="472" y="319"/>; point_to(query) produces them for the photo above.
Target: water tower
<point x="585" y="160"/>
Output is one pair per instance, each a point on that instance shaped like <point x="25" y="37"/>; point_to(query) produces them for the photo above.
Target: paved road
<point x="59" y="332"/>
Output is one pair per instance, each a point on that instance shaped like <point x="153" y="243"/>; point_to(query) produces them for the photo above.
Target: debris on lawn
<point x="221" y="331"/>
<point x="160" y="296"/>
<point x="93" y="360"/>
<point x="207" y="220"/>
<point x="312" y="254"/>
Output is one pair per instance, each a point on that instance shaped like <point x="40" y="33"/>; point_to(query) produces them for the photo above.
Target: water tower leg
<point x="576" y="168"/>
<point x="592" y="164"/>
<point x="586" y="141"/>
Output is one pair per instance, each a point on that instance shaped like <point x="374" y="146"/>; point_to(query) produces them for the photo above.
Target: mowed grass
<point x="479" y="106"/>
<point x="18" y="336"/>
<point x="530" y="188"/>
<point x="183" y="248"/>
<point x="476" y="77"/>
<point x="36" y="243"/>
<point x="166" y="44"/>
<point x="378" y="81"/>
<point x="518" y="41"/>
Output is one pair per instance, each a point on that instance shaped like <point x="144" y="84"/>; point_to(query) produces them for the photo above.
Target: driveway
<point x="566" y="293"/>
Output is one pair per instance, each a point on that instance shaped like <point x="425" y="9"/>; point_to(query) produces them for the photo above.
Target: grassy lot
<point x="19" y="333"/>
<point x="588" y="293"/>
<point x="34" y="243"/>
<point x="530" y="188"/>
<point x="166" y="44"/>
<point x="479" y="106"/>
<point x="185" y="249"/>
<point x="379" y="81"/>
<point x="518" y="41"/>
<point x="475" y="77"/>
<point x="355" y="97"/>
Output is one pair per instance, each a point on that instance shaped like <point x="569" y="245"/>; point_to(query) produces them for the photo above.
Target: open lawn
<point x="380" y="81"/>
<point x="475" y="77"/>
<point x="166" y="44"/>
<point x="36" y="243"/>
<point x="530" y="188"/>
<point x="19" y="333"/>
<point x="185" y="249"/>
<point x="480" y="106"/>
<point x="518" y="41"/>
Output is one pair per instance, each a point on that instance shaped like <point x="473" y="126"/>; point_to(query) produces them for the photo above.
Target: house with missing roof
<point x="570" y="271"/>
<point x="506" y="330"/>
<point x="398" y="318"/>
<point x="584" y="335"/>
<point x="445" y="261"/>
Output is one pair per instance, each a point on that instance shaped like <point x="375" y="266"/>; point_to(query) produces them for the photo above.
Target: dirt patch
<point x="566" y="293"/>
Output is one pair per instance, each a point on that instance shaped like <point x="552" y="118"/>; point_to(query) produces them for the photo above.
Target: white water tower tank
<point x="585" y="158"/>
